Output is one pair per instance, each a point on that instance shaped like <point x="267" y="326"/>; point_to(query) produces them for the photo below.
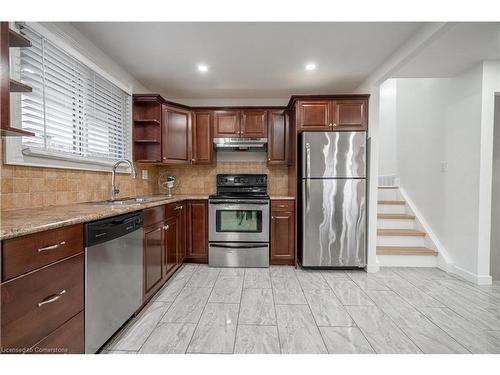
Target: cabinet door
<point x="175" y="141"/>
<point x="350" y="115"/>
<point x="153" y="258"/>
<point x="181" y="246"/>
<point x="226" y="124"/>
<point x="202" y="138"/>
<point x="197" y="230"/>
<point x="172" y="231"/>
<point x="313" y="115"/>
<point x="278" y="140"/>
<point x="254" y="123"/>
<point x="282" y="237"/>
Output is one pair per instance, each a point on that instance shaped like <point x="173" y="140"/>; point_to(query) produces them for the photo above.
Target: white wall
<point x="495" y="206"/>
<point x="444" y="159"/>
<point x="387" y="128"/>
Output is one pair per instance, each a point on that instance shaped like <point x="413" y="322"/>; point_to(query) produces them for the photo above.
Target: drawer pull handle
<point x="52" y="298"/>
<point x="52" y="247"/>
<point x="282" y="205"/>
<point x="178" y="208"/>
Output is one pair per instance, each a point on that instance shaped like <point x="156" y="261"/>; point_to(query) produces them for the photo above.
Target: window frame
<point x="13" y="150"/>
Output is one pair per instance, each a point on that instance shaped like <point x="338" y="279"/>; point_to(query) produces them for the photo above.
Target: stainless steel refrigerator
<point x="333" y="189"/>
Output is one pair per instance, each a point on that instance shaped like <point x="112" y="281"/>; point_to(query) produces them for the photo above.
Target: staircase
<point x="401" y="240"/>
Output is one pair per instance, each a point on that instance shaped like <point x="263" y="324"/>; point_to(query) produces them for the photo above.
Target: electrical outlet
<point x="144" y="174"/>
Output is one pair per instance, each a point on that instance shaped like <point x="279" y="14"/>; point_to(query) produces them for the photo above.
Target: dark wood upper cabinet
<point x="176" y="130"/>
<point x="226" y="124"/>
<point x="313" y="115"/>
<point x="282" y="232"/>
<point x="254" y="123"/>
<point x="278" y="138"/>
<point x="202" y="137"/>
<point x="350" y="114"/>
<point x="197" y="231"/>
<point x="334" y="114"/>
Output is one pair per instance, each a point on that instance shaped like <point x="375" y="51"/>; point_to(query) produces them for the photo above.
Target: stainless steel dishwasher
<point x="113" y="275"/>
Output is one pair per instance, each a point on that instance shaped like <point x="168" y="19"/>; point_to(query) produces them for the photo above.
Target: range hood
<point x="240" y="144"/>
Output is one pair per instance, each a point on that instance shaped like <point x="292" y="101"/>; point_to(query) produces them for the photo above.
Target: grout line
<point x="201" y="315"/>
<point x="239" y="309"/>
<point x="275" y="312"/>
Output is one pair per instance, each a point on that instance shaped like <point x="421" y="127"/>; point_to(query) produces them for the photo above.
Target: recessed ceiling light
<point x="310" y="66"/>
<point x="202" y="68"/>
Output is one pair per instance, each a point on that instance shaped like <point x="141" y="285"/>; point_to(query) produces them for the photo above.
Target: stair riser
<point x="407" y="260"/>
<point x="395" y="224"/>
<point x="400" y="241"/>
<point x="391" y="209"/>
<point x="388" y="194"/>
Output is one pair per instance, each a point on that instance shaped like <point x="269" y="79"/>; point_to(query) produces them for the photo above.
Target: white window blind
<point x="74" y="112"/>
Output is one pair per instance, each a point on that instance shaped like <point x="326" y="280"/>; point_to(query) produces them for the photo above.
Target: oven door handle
<point x="239" y="246"/>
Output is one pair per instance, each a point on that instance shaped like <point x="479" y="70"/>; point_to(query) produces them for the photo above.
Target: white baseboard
<point x="444" y="260"/>
<point x="372" y="268"/>
<point x="470" y="276"/>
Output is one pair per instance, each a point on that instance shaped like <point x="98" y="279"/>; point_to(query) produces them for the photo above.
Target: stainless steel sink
<point x="130" y="200"/>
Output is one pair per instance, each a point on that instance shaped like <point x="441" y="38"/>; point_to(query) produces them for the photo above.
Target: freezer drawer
<point x="333" y="223"/>
<point x="333" y="154"/>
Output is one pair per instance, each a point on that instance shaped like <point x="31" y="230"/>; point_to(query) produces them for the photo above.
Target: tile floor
<point x="287" y="310"/>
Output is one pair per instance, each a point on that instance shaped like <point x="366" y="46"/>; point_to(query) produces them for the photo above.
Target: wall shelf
<point x="16" y="86"/>
<point x="147" y="121"/>
<point x="147" y="141"/>
<point x="18" y="40"/>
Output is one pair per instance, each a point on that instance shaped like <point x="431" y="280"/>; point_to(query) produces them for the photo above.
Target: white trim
<point x="69" y="45"/>
<point x="443" y="259"/>
<point x="469" y="276"/>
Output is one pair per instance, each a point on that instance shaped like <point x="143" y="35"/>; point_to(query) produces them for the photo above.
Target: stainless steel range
<point x="239" y="221"/>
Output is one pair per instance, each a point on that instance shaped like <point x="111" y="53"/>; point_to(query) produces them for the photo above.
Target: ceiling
<point x="460" y="47"/>
<point x="248" y="60"/>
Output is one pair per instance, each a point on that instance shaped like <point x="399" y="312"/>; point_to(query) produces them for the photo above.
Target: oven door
<point x="238" y="220"/>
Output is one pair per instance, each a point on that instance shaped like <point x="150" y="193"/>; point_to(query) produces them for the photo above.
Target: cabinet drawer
<point x="173" y="209"/>
<point x="283" y="205"/>
<point x="27" y="253"/>
<point x="153" y="215"/>
<point x="67" y="339"/>
<point x="34" y="305"/>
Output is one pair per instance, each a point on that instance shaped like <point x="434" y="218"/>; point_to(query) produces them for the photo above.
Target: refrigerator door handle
<point x="308" y="168"/>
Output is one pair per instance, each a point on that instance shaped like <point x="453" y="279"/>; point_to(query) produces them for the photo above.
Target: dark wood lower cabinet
<point x="153" y="258"/>
<point x="282" y="232"/>
<point x="67" y="339"/>
<point x="35" y="305"/>
<point x="197" y="231"/>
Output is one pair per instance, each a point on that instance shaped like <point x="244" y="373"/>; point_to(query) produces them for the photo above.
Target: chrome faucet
<point x="114" y="189"/>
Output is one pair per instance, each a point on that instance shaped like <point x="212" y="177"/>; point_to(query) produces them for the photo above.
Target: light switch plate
<point x="144" y="174"/>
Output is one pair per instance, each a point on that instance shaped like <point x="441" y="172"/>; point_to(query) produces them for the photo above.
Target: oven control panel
<point x="241" y="180"/>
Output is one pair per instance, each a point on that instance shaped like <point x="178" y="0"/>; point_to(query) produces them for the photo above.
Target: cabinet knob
<point x="178" y="208"/>
<point x="165" y="227"/>
<point x="164" y="158"/>
<point x="334" y="124"/>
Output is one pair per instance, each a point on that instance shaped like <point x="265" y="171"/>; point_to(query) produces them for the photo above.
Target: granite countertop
<point x="15" y="223"/>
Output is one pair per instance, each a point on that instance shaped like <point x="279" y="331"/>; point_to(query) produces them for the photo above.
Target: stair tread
<point x="396" y="216"/>
<point x="405" y="250"/>
<point x="391" y="202"/>
<point x="400" y="232"/>
<point x="388" y="187"/>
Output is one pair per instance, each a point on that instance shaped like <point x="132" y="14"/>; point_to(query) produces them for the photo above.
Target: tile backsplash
<point x="200" y="179"/>
<point x="26" y="187"/>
